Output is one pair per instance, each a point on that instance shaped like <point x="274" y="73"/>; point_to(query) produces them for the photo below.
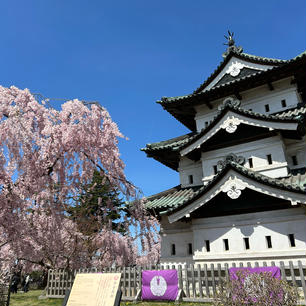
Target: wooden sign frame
<point x="94" y="289"/>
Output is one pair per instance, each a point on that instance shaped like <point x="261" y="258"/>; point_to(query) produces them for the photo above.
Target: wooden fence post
<point x="283" y="272"/>
<point x="206" y="280"/>
<point x="302" y="276"/>
<point x="292" y="273"/>
<point x="200" y="281"/>
<point x="187" y="281"/>
<point x="180" y="277"/>
<point x="226" y="272"/>
<point x="212" y="268"/>
<point x="219" y="273"/>
<point x="193" y="287"/>
<point x="124" y="282"/>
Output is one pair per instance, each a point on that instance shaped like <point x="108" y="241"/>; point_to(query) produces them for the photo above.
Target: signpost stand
<point x="67" y="293"/>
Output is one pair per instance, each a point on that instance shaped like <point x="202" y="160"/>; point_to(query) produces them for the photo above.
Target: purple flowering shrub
<point x="255" y="289"/>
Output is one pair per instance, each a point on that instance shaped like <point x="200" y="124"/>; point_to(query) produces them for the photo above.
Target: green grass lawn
<point x="31" y="299"/>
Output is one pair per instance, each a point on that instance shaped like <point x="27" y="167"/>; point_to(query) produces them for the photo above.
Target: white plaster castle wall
<point x="188" y="167"/>
<point x="296" y="148"/>
<point x="204" y="115"/>
<point x="255" y="99"/>
<point x="277" y="224"/>
<point x="257" y="150"/>
<point x="180" y="234"/>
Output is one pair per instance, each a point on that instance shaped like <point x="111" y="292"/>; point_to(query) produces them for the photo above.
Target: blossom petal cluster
<point x="46" y="155"/>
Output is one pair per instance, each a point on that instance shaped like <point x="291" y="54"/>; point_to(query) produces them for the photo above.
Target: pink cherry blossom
<point x="46" y="155"/>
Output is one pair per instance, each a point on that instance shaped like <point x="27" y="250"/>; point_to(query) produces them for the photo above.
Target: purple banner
<point x="159" y="285"/>
<point x="275" y="271"/>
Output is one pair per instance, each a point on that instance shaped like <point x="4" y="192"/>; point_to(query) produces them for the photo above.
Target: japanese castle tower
<point x="242" y="190"/>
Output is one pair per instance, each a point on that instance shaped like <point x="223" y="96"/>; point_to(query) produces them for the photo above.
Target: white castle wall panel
<point x="257" y="150"/>
<point x="255" y="99"/>
<point x="186" y="168"/>
<point x="256" y="226"/>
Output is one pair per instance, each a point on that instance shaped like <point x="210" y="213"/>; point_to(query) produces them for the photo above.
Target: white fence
<point x="196" y="282"/>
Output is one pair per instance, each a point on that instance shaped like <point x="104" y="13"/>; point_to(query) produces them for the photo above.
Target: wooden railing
<point x="196" y="282"/>
<point x="4" y="295"/>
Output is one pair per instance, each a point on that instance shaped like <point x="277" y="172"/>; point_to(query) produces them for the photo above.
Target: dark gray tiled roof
<point x="291" y="113"/>
<point x="286" y="116"/>
<point x="173" y="197"/>
<point x="178" y="197"/>
<point x="275" y="63"/>
<point x="172" y="143"/>
<point x="262" y="59"/>
<point x="257" y="59"/>
<point x="298" y="180"/>
<point x="179" y="142"/>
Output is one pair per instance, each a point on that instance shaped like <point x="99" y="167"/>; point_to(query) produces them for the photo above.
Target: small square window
<point x="190" y="179"/>
<point x="206" y="123"/>
<point x="250" y="162"/>
<point x="269" y="242"/>
<point x="207" y="245"/>
<point x="294" y="160"/>
<point x="190" y="248"/>
<point x="269" y="159"/>
<point x="284" y="104"/>
<point x="226" y="245"/>
<point x="173" y="251"/>
<point x="246" y="243"/>
<point x="291" y="240"/>
<point x="267" y="107"/>
<point x="215" y="169"/>
<point x="250" y="109"/>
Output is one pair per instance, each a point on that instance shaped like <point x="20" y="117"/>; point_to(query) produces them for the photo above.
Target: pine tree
<point x="99" y="204"/>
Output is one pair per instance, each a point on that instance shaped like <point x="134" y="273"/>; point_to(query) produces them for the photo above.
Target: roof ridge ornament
<point x="229" y="102"/>
<point x="240" y="160"/>
<point x="231" y="45"/>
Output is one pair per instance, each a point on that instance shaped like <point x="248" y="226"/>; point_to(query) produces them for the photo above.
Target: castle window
<point x="284" y="104"/>
<point x="215" y="169"/>
<point x="250" y="109"/>
<point x="267" y="107"/>
<point x="190" y="179"/>
<point x="269" y="159"/>
<point x="206" y="123"/>
<point x="173" y="249"/>
<point x="207" y="245"/>
<point x="294" y="160"/>
<point x="269" y="242"/>
<point x="250" y="162"/>
<point x="246" y="243"/>
<point x="190" y="248"/>
<point x="226" y="245"/>
<point x="291" y="240"/>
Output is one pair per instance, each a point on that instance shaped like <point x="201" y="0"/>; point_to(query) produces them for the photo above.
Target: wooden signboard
<point x="95" y="289"/>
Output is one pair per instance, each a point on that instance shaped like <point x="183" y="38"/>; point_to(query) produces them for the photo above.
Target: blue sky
<point x="128" y="54"/>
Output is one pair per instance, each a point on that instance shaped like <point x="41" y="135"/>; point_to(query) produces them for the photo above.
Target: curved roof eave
<point x="165" y="101"/>
<point x="243" y="56"/>
<point x="276" y="122"/>
<point x="292" y="192"/>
